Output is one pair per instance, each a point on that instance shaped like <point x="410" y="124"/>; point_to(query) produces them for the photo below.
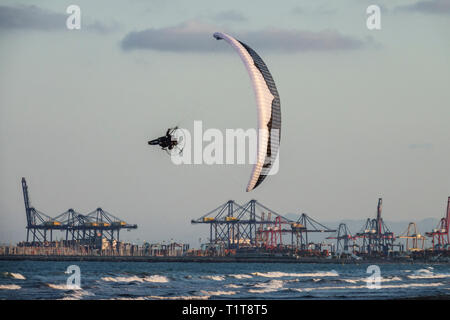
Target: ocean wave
<point x="63" y="286"/>
<point x="128" y="298"/>
<point x="178" y="298"/>
<point x="77" y="295"/>
<point x="423" y="271"/>
<point x="271" y="286"/>
<point x="391" y="286"/>
<point x="352" y="280"/>
<point x="278" y="274"/>
<point x="14" y="275"/>
<point x="218" y="293"/>
<point x="122" y="279"/>
<point x="215" y="278"/>
<point x="240" y="276"/>
<point x="391" y="279"/>
<point x="154" y="278"/>
<point x="427" y="274"/>
<point x="340" y="280"/>
<point x="9" y="287"/>
<point x="233" y="286"/>
<point x="411" y="285"/>
<point x="327" y="288"/>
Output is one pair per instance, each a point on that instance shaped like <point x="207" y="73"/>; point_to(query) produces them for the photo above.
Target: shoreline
<point x="228" y="259"/>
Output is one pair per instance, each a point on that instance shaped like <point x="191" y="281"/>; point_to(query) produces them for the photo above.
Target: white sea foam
<point x="218" y="293"/>
<point x="154" y="278"/>
<point x="352" y="280"/>
<point x="233" y="286"/>
<point x="391" y="286"/>
<point x="423" y="271"/>
<point x="77" y="295"/>
<point x="128" y="298"/>
<point x="179" y="298"/>
<point x="365" y="280"/>
<point x="240" y="276"/>
<point x="63" y="286"/>
<point x="122" y="279"/>
<point x="9" y="287"/>
<point x="411" y="285"/>
<point x="427" y="274"/>
<point x="389" y="279"/>
<point x="278" y="274"/>
<point x="14" y="275"/>
<point x="271" y="286"/>
<point x="216" y="278"/>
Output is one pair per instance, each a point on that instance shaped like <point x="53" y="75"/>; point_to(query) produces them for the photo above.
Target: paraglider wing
<point x="269" y="110"/>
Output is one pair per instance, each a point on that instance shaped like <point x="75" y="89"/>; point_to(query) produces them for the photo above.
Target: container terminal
<point x="249" y="232"/>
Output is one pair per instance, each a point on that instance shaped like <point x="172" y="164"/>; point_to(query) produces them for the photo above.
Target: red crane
<point x="275" y="232"/>
<point x="440" y="236"/>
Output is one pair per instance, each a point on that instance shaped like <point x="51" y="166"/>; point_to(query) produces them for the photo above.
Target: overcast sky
<point x="365" y="114"/>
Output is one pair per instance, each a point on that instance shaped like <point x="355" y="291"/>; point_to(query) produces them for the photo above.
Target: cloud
<point x="34" y="18"/>
<point x="230" y="15"/>
<point x="295" y="41"/>
<point x="30" y="17"/>
<point x="427" y="6"/>
<point x="190" y="36"/>
<point x="194" y="36"/>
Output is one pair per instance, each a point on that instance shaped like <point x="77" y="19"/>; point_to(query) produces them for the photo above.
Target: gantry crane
<point x="78" y="228"/>
<point x="414" y="240"/>
<point x="440" y="236"/>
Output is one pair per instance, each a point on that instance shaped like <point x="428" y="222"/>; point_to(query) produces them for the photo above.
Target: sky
<point x="365" y="113"/>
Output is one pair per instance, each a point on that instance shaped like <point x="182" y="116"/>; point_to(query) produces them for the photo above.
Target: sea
<point x="26" y="280"/>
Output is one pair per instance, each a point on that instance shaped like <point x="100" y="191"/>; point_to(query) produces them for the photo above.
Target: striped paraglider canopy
<point x="268" y="106"/>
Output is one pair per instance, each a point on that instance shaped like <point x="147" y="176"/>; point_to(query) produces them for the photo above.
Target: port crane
<point x="375" y="234"/>
<point x="414" y="240"/>
<point x="440" y="235"/>
<point x="84" y="229"/>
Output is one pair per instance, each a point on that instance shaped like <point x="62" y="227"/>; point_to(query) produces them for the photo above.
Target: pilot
<point x="165" y="142"/>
